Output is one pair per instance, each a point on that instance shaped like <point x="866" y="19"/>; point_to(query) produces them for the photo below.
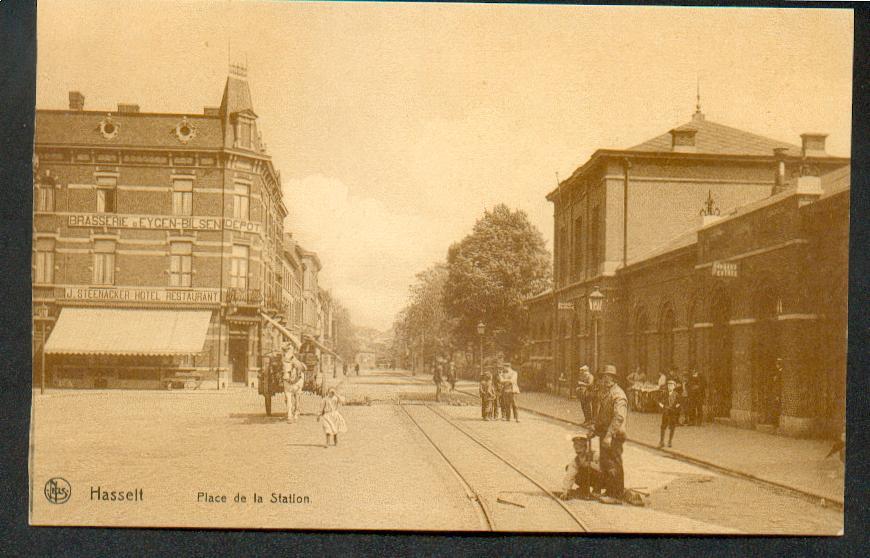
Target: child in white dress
<point x="331" y="420"/>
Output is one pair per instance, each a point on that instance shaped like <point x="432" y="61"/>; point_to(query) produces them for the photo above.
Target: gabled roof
<point x="718" y="139"/>
<point x="74" y="127"/>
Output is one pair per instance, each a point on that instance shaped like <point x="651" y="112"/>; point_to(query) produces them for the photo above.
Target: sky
<point x="395" y="126"/>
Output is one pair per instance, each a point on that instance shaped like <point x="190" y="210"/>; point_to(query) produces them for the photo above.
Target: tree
<point x="423" y="327"/>
<point x="346" y="338"/>
<point x="490" y="273"/>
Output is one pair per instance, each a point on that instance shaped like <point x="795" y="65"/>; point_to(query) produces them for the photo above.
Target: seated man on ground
<point x="583" y="474"/>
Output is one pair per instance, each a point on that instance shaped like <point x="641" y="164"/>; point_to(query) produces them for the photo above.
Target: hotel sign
<point x="566" y="306"/>
<point x="121" y="294"/>
<point x="724" y="269"/>
<point x="161" y="222"/>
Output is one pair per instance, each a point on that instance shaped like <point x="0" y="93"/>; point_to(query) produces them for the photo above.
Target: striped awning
<point x="121" y="331"/>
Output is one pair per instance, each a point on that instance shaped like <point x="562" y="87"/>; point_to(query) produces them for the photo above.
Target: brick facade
<point x="160" y="204"/>
<point x="771" y="347"/>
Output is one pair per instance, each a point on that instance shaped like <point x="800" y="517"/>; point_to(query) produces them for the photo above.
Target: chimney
<point x="211" y="111"/>
<point x="813" y="145"/>
<point x="779" y="182"/>
<point x="76" y="101"/>
<point x="125" y="108"/>
<point x="683" y="139"/>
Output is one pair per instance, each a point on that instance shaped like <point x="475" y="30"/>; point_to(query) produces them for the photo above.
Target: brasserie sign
<point x="160" y="222"/>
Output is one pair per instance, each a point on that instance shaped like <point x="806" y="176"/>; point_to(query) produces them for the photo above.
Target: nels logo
<point x="57" y="490"/>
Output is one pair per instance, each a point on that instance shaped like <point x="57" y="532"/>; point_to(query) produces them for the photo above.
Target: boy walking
<point x="670" y="405"/>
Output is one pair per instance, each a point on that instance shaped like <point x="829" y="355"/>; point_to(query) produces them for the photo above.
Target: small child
<point x="487" y="397"/>
<point x="583" y="471"/>
<point x="330" y="419"/>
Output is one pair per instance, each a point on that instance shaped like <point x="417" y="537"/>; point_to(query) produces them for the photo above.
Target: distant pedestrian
<point x="451" y="375"/>
<point x="496" y="387"/>
<point x="670" y="406"/>
<point x="585" y="383"/>
<point x="696" y="388"/>
<point x="509" y="389"/>
<point x="610" y="428"/>
<point x="356" y="368"/>
<point x="635" y="381"/>
<point x="487" y="397"/>
<point x="438" y="380"/>
<point x="330" y="418"/>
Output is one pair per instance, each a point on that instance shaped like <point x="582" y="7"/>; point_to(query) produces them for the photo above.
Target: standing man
<point x="510" y="390"/>
<point x="356" y="368"/>
<point x="610" y="428"/>
<point x="294" y="378"/>
<point x="451" y="375"/>
<point x="584" y="392"/>
<point x="437" y="379"/>
<point x="697" y="387"/>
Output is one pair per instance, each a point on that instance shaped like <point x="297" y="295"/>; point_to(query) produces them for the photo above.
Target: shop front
<point x="130" y="348"/>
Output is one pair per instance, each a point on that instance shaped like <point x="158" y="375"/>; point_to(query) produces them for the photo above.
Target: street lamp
<point x="596" y="303"/>
<point x="481" y="329"/>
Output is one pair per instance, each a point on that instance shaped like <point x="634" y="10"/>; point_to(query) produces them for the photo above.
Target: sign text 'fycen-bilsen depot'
<point x="160" y="222"/>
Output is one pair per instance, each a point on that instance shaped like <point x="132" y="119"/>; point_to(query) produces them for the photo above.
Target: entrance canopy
<point x="122" y="331"/>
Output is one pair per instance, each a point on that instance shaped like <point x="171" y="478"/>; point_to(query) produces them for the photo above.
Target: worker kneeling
<point x="583" y="472"/>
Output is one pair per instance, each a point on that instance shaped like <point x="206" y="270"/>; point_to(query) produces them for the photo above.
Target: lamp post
<point x="596" y="302"/>
<point x="481" y="329"/>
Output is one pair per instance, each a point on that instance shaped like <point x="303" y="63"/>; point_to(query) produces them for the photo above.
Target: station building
<point x="715" y="249"/>
<point x="157" y="244"/>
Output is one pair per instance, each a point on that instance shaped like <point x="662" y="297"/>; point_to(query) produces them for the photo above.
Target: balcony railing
<point x="244" y="297"/>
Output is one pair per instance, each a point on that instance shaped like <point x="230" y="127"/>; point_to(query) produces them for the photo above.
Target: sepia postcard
<point x="440" y="267"/>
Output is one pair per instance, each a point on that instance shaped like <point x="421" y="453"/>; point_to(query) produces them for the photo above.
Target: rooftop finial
<point x="698" y="116"/>
<point x="710" y="207"/>
<point x="239" y="70"/>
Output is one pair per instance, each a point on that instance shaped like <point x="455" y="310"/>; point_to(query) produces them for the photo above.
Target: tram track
<point x="468" y="485"/>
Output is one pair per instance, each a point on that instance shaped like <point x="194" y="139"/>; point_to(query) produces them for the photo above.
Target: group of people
<point x="498" y="390"/>
<point x="444" y="371"/>
<point x="592" y="474"/>
<point x="691" y="390"/>
<point x="330" y="418"/>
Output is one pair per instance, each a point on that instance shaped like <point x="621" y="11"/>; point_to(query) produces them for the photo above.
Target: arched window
<point x="640" y="342"/>
<point x="666" y="335"/>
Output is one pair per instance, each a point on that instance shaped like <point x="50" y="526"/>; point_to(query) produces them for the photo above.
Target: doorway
<point x="720" y="358"/>
<point x="766" y="361"/>
<point x="238" y="349"/>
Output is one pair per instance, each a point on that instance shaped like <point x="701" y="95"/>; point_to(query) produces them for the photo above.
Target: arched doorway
<point x="720" y="357"/>
<point x="766" y="359"/>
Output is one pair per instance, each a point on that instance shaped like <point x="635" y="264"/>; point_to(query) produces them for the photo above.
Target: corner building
<point x="157" y="245"/>
<point x="753" y="295"/>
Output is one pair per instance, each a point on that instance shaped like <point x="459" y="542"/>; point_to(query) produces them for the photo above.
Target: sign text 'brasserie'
<point x="160" y="222"/>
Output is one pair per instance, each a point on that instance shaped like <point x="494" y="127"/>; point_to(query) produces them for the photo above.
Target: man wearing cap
<point x="510" y="388"/>
<point x="670" y="406"/>
<point x="584" y="393"/>
<point x="583" y="471"/>
<point x="610" y="428"/>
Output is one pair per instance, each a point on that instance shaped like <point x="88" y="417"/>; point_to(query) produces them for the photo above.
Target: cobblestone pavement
<point x="188" y="449"/>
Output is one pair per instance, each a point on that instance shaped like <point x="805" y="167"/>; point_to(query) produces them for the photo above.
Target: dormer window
<point x="683" y="139"/>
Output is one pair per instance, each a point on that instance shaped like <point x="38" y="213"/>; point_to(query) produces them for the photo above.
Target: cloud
<point x="370" y="251"/>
